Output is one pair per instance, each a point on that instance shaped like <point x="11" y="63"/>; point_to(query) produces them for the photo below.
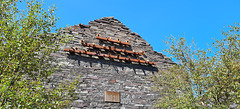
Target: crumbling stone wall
<point x="102" y="74"/>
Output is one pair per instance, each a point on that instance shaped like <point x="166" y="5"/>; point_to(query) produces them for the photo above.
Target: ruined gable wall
<point x="102" y="74"/>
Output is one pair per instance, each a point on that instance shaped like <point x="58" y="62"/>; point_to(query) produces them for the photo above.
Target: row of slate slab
<point x="112" y="48"/>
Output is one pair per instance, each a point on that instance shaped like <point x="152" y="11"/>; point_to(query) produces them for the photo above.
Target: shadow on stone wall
<point x="114" y="63"/>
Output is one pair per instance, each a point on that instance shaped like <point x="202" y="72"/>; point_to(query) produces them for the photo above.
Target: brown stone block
<point x="113" y="81"/>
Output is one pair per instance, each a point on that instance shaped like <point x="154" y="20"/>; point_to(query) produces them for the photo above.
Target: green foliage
<point x="25" y="56"/>
<point x="202" y="79"/>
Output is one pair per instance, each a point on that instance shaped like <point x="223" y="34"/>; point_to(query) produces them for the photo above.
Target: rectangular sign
<point x="112" y="97"/>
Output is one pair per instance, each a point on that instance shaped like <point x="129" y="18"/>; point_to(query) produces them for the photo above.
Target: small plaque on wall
<point x="112" y="97"/>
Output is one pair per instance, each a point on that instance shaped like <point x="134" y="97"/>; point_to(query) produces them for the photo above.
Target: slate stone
<point x="83" y="26"/>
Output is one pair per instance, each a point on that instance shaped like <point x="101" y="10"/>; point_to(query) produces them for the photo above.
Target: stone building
<point x="109" y="82"/>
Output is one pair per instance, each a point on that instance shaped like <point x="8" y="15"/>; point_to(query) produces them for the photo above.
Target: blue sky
<point x="154" y="20"/>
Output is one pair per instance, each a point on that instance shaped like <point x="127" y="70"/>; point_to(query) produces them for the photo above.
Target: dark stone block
<point x="83" y="26"/>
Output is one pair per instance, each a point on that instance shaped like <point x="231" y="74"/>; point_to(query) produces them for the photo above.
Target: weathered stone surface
<point x="83" y="26"/>
<point x="100" y="74"/>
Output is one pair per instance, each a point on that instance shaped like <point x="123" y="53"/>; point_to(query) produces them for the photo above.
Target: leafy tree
<point x="25" y="56"/>
<point x="202" y="78"/>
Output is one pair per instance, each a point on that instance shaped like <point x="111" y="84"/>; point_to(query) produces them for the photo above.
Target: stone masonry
<point x="103" y="74"/>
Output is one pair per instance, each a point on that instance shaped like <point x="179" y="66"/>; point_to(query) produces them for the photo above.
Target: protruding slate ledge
<point x="108" y="56"/>
<point x="112" y="48"/>
<point x="111" y="40"/>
